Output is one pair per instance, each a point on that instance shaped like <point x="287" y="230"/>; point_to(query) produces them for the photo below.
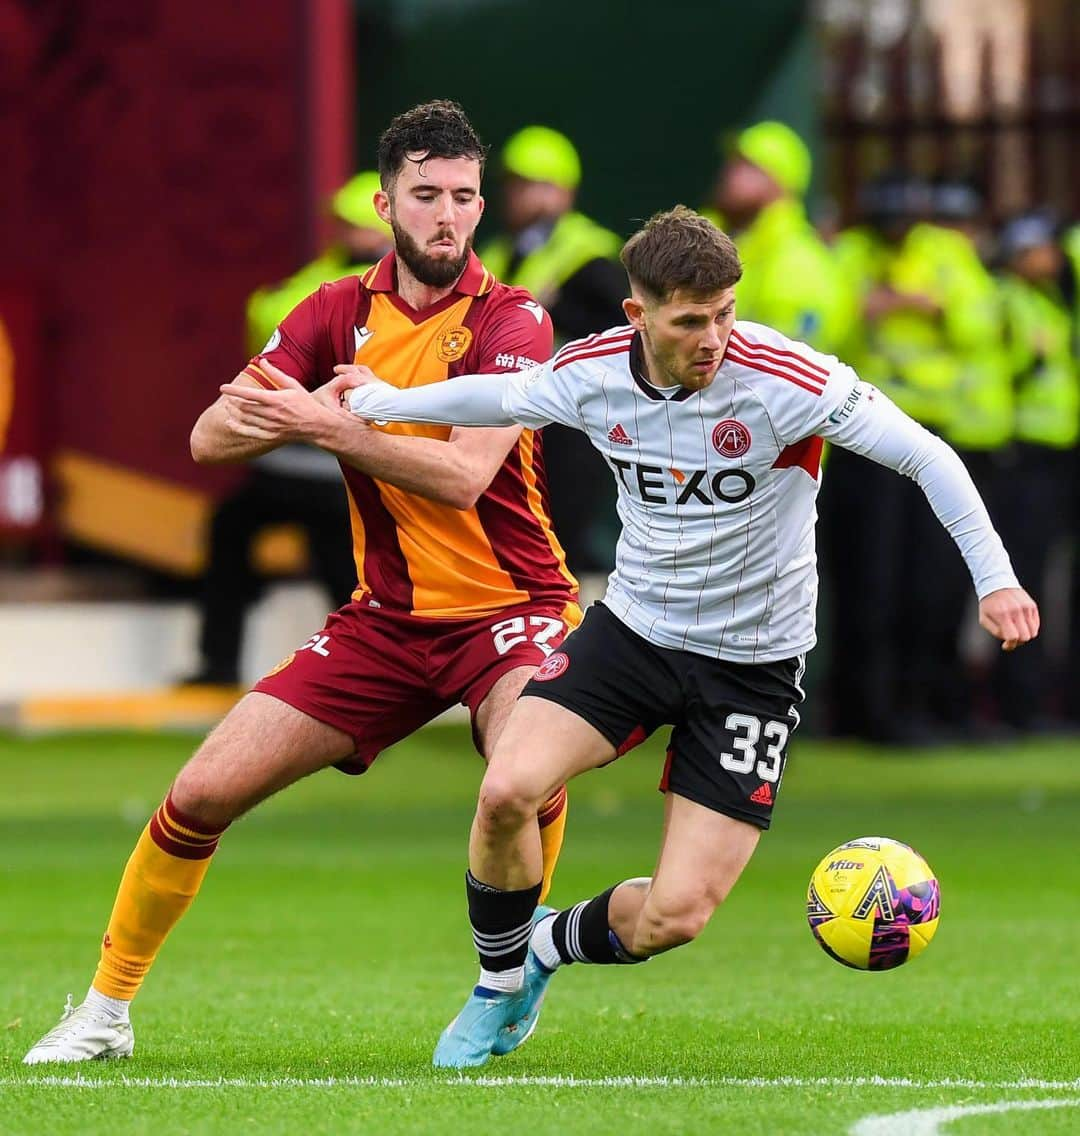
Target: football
<point x="873" y="903"/>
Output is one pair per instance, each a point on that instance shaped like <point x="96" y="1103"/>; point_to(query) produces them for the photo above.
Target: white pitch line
<point x="125" y="1081"/>
<point x="928" y="1121"/>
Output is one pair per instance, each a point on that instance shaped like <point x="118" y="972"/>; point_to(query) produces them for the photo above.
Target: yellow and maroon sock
<point x="552" y="820"/>
<point x="161" y="879"/>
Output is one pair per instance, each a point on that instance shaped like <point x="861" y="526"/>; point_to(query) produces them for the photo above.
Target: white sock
<point x="543" y="944"/>
<point x="116" y="1008"/>
<point x="504" y="981"/>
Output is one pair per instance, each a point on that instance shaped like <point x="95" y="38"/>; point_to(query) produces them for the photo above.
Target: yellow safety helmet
<point x="780" y="152"/>
<point x="353" y="202"/>
<point x="539" y="153"/>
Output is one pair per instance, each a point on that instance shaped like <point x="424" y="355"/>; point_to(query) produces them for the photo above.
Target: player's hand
<point x="363" y="392"/>
<point x="347" y="377"/>
<point x="288" y="413"/>
<point x="1010" y="615"/>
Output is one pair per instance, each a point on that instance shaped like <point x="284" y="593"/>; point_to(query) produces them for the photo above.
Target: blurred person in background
<point x="360" y="238"/>
<point x="293" y="484"/>
<point x="1035" y="496"/>
<point x="1070" y="287"/>
<point x="863" y="556"/>
<point x="931" y="338"/>
<point x="978" y="425"/>
<point x="569" y="262"/>
<point x="791" y="281"/>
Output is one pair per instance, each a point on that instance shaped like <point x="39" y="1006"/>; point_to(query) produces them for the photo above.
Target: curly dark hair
<point x="680" y="250"/>
<point x="438" y="129"/>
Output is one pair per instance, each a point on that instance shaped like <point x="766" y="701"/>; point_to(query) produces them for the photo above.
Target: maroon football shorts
<point x="378" y="674"/>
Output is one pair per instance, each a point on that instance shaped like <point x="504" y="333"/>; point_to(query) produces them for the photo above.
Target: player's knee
<point x="197" y="794"/>
<point x="505" y="803"/>
<point x="200" y="792"/>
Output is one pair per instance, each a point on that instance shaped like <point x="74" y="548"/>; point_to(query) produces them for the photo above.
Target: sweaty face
<point x="686" y="336"/>
<point x="435" y="206"/>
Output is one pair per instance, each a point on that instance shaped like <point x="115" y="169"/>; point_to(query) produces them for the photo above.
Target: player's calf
<point x="663" y="926"/>
<point x="583" y="933"/>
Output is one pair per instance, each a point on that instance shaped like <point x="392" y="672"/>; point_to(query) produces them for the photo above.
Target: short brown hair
<point x="680" y="249"/>
<point x="438" y="129"/>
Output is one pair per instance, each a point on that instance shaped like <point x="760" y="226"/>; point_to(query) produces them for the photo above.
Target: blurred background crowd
<point x="900" y="176"/>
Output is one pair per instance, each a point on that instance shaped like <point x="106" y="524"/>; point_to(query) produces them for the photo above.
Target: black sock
<point x="582" y="933"/>
<point x="501" y="923"/>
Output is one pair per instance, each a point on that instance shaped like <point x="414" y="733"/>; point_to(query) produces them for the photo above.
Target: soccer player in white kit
<point x="713" y="429"/>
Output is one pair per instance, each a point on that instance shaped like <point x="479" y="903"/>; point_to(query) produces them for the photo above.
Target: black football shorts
<point x="732" y="721"/>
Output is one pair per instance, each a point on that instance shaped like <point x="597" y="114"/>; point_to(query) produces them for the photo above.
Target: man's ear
<point x="635" y="312"/>
<point x="381" y="201"/>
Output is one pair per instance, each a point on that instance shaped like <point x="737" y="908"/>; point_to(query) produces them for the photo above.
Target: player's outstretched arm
<point x="878" y="429"/>
<point x="454" y="472"/>
<point x="468" y="400"/>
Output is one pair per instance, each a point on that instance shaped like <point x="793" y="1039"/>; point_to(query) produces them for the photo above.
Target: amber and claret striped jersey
<point x="412" y="553"/>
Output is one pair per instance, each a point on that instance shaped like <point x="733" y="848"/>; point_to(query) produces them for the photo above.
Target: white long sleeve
<point x="467" y="400"/>
<point x="881" y="431"/>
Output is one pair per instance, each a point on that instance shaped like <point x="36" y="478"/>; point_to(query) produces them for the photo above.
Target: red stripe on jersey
<point x="618" y="349"/>
<point x="782" y="358"/>
<point x="578" y="344"/>
<point x="597" y="339"/>
<point x="516" y="534"/>
<point x="757" y="365"/>
<point x="802" y="455"/>
<point x="756" y="344"/>
<point x="385" y="570"/>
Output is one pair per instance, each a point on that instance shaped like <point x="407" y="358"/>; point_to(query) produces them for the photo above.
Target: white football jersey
<point x="717" y="488"/>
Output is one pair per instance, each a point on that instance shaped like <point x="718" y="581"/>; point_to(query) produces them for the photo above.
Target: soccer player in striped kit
<point x="713" y="429"/>
<point x="462" y="587"/>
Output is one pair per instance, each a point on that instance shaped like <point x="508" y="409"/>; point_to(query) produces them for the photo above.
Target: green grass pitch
<point x="305" y="989"/>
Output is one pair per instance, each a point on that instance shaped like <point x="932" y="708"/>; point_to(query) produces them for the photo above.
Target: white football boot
<point x="85" y="1033"/>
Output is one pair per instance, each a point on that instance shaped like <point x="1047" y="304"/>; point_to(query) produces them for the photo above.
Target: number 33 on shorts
<point x="747" y="732"/>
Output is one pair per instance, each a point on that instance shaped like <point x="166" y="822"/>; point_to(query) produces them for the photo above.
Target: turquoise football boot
<point x="468" y="1040"/>
<point x="537" y="977"/>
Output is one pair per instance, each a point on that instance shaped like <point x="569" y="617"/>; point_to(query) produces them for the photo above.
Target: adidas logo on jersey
<point x="762" y="795"/>
<point x="619" y="436"/>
